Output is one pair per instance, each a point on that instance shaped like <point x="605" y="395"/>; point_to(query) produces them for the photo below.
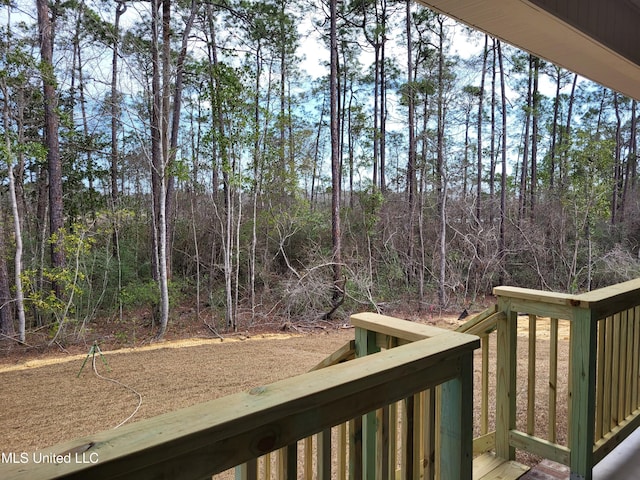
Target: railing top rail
<point x="534" y="295"/>
<point x="395" y="327"/>
<point x="214" y="436"/>
<point x="603" y="301"/>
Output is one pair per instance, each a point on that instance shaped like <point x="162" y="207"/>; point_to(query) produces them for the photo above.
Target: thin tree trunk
<point x="479" y="135"/>
<point x="554" y="130"/>
<point x="6" y="320"/>
<point x="383" y="102"/>
<point x="440" y="175"/>
<point x="5" y="310"/>
<point x="631" y="166"/>
<point x="524" y="173"/>
<point x="503" y="180"/>
<point x="534" y="137"/>
<point x="257" y="182"/>
<point x="565" y="138"/>
<point x="336" y="235"/>
<point x="121" y="7"/>
<point x="170" y="154"/>
<point x="411" y="164"/>
<point x="617" y="166"/>
<point x="492" y="154"/>
<point x="376" y="108"/>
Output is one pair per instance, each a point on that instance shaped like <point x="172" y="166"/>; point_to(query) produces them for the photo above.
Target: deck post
<point x="506" y="379"/>
<point x="366" y="345"/>
<point x="456" y="425"/>
<point x="582" y="393"/>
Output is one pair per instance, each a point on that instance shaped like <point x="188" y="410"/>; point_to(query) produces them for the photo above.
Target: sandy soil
<point x="44" y="402"/>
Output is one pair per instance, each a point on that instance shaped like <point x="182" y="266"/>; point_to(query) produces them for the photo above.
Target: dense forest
<point x="257" y="162"/>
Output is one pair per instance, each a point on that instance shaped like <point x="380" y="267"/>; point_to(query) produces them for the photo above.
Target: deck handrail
<point x="401" y="440"/>
<point x="602" y="380"/>
<point x="208" y="438"/>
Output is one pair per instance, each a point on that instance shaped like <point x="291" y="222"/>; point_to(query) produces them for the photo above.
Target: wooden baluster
<point x="266" y="462"/>
<point x="628" y="407"/>
<point x="553" y="378"/>
<point x="615" y="415"/>
<point x="355" y="449"/>
<point x="607" y="421"/>
<point x="288" y="462"/>
<point x="342" y="452"/>
<point x="394" y="425"/>
<point x="531" y="383"/>
<point x="600" y="380"/>
<point x="324" y="455"/>
<point x="307" y="461"/>
<point x="429" y="434"/>
<point x="247" y="471"/>
<point x="382" y="443"/>
<point x="407" y="442"/>
<point x="622" y="369"/>
<point x="418" y="428"/>
<point x="636" y="359"/>
<point x="484" y="399"/>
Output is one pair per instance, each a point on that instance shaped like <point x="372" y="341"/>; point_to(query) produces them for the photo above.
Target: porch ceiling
<point x="598" y="39"/>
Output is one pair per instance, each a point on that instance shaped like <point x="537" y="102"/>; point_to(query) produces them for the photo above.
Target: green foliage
<point x="140" y="294"/>
<point x="371" y="202"/>
<point x="147" y="294"/>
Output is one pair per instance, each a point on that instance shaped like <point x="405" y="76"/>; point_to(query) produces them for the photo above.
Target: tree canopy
<point x="294" y="160"/>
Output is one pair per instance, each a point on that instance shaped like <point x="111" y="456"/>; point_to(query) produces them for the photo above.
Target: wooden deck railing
<point x="200" y="441"/>
<point x="601" y="377"/>
<point x="401" y="440"/>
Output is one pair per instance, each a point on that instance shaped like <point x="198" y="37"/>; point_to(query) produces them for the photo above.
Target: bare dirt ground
<point x="43" y="400"/>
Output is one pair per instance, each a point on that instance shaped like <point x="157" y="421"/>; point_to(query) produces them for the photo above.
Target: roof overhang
<point x="597" y="39"/>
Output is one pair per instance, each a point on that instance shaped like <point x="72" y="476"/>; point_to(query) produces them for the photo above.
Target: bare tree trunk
<point x="51" y="123"/>
<point x="383" y="101"/>
<point x="257" y="183"/>
<point x="121" y="7"/>
<point x="617" y="166"/>
<point x="78" y="68"/>
<point x="479" y="135"/>
<point x="336" y="235"/>
<point x="534" y="137"/>
<point x="176" y="108"/>
<point x="631" y="166"/>
<point x="503" y="180"/>
<point x="565" y="138"/>
<point x="159" y="148"/>
<point x="316" y="155"/>
<point x="5" y="310"/>
<point x="554" y="129"/>
<point x="524" y="172"/>
<point x="411" y="164"/>
<point x="376" y="108"/>
<point x="440" y="175"/>
<point x="6" y="317"/>
<point x="492" y="154"/>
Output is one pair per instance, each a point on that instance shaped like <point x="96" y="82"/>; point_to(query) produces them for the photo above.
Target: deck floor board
<point x="490" y="467"/>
